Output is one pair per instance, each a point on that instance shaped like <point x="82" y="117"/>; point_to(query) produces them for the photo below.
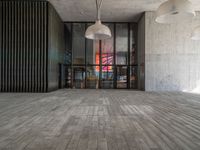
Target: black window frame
<point x="129" y="65"/>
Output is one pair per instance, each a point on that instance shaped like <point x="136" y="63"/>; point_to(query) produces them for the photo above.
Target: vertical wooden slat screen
<point x="23" y="46"/>
<point x="0" y="45"/>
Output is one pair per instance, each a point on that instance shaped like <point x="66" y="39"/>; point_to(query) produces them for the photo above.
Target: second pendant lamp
<point x="98" y="31"/>
<point x="174" y="11"/>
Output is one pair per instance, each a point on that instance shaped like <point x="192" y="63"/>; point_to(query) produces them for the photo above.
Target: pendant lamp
<point x="173" y="11"/>
<point x="196" y="34"/>
<point x="98" y="31"/>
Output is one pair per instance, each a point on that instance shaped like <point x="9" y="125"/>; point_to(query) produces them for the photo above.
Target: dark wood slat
<point x="6" y="48"/>
<point x="11" y="46"/>
<point x="33" y="49"/>
<point x="20" y="50"/>
<point x="1" y="49"/>
<point x="30" y="47"/>
<point x="15" y="48"/>
<point x="25" y="47"/>
<point x="42" y="48"/>
<point x="39" y="47"/>
<point x="45" y="41"/>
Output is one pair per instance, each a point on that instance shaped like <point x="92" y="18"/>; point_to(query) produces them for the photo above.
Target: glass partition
<point x="92" y="77"/>
<point x="68" y="44"/>
<point x="121" y="77"/>
<point x="79" y="77"/>
<point x="92" y="52"/>
<point x="110" y="63"/>
<point x="107" y="48"/>
<point x="68" y="74"/>
<point x="133" y="77"/>
<point x="122" y="44"/>
<point x="133" y="44"/>
<point x="78" y="43"/>
<point x="107" y="78"/>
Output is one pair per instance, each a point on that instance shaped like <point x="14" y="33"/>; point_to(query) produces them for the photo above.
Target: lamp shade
<point x="98" y="31"/>
<point x="173" y="11"/>
<point x="196" y="34"/>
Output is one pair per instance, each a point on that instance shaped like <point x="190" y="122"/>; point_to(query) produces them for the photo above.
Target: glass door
<point x="92" y="77"/>
<point x="107" y="77"/>
<point x="79" y="77"/>
<point x="68" y="77"/>
<point x="121" y="79"/>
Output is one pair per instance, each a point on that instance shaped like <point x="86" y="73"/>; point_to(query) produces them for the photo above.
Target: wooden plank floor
<point x="99" y="120"/>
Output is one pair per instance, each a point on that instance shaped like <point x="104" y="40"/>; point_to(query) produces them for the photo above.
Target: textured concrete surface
<point x="99" y="120"/>
<point x="172" y="58"/>
<point x="112" y="10"/>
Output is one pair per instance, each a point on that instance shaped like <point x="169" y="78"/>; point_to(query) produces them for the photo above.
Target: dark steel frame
<point x="114" y="65"/>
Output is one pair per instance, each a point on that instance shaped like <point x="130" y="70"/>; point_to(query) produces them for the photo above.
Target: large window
<point x="110" y="63"/>
<point x="68" y="44"/>
<point x="79" y="77"/>
<point x="92" y="52"/>
<point x="92" y="77"/>
<point x="78" y="43"/>
<point x="107" y="45"/>
<point x="133" y="48"/>
<point x="121" y="73"/>
<point x="107" y="78"/>
<point x="122" y="44"/>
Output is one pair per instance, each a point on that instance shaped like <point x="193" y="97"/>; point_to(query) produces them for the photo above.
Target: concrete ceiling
<point x="112" y="10"/>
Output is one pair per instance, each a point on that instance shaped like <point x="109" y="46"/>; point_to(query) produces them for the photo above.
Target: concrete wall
<point x="172" y="59"/>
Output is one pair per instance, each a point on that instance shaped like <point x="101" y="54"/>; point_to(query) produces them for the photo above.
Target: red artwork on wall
<point x="107" y="59"/>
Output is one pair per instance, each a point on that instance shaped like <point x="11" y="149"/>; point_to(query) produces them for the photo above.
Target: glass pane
<point x="79" y="77"/>
<point x="121" y="44"/>
<point x="93" y="77"/>
<point x="133" y="50"/>
<point x="78" y="43"/>
<point x="133" y="77"/>
<point x="107" y="48"/>
<point x="121" y="76"/>
<point x="107" y="77"/>
<point x="92" y="51"/>
<point x="68" y="51"/>
<point x="68" y="75"/>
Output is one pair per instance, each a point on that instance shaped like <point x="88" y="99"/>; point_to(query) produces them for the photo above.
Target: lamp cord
<point x="98" y="6"/>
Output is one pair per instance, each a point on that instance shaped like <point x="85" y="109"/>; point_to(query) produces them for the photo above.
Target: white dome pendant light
<point x="196" y="34"/>
<point x="98" y="31"/>
<point x="173" y="11"/>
